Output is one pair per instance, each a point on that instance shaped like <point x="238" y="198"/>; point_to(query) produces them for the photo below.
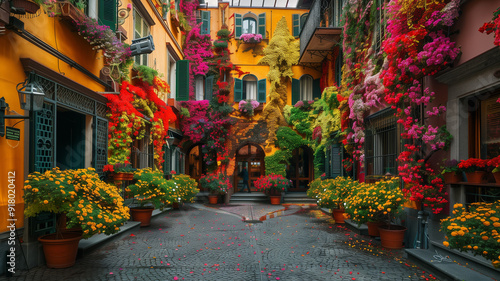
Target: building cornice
<point x="470" y="67"/>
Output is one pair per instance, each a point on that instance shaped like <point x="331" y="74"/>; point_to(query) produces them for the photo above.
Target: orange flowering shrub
<point x="87" y="201"/>
<point x="332" y="193"/>
<point x="379" y="201"/>
<point x="475" y="230"/>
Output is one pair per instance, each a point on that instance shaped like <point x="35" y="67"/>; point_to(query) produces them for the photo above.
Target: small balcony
<point x="321" y="32"/>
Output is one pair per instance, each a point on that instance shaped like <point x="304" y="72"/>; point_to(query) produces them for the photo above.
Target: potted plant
<point x="151" y="190"/>
<point x="217" y="183"/>
<point x="120" y="171"/>
<point x="451" y="172"/>
<point x="185" y="189"/>
<point x="494" y="164"/>
<point x="335" y="191"/>
<point x="375" y="204"/>
<point x="475" y="230"/>
<point x="79" y="199"/>
<point x="272" y="185"/>
<point x="247" y="107"/>
<point x="474" y="168"/>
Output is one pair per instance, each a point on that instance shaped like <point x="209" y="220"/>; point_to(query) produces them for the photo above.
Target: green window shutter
<point x="209" y="87"/>
<point x="336" y="168"/>
<point x="167" y="165"/>
<point x="238" y="89"/>
<point x="261" y="91"/>
<point x="296" y="24"/>
<point x="262" y="25"/>
<point x="295" y="90"/>
<point x="316" y="89"/>
<point x="205" y="19"/>
<point x="182" y="80"/>
<point x="107" y="13"/>
<point x="238" y="23"/>
<point x="327" y="162"/>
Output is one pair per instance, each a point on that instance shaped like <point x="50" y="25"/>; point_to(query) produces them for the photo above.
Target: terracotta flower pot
<point x="475" y="177"/>
<point x="275" y="200"/>
<point x="123" y="176"/>
<point x="392" y="236"/>
<point x="497" y="177"/>
<point x="338" y="215"/>
<point x="212" y="199"/>
<point x="452" y="177"/>
<point x="142" y="215"/>
<point x="373" y="228"/>
<point x="60" y="253"/>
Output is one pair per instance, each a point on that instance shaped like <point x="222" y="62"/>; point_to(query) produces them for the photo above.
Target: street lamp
<point x="31" y="96"/>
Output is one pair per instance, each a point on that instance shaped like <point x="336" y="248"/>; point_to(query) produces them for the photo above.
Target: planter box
<point x="70" y="13"/>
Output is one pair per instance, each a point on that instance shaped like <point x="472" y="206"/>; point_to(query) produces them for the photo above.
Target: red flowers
<point x="473" y="164"/>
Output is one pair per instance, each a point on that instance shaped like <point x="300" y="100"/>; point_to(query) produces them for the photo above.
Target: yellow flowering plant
<point x="475" y="230"/>
<point x="331" y="193"/>
<point x="186" y="188"/>
<point x="150" y="189"/>
<point x="374" y="202"/>
<point x="85" y="200"/>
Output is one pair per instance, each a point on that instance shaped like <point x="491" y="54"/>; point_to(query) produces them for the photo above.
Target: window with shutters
<point x="380" y="25"/>
<point x="171" y="78"/>
<point x="306" y="87"/>
<point x="381" y="143"/>
<point x="298" y="22"/>
<point x="203" y="17"/>
<point x="141" y="29"/>
<point x="199" y="87"/>
<point x="249" y="87"/>
<point x="250" y="23"/>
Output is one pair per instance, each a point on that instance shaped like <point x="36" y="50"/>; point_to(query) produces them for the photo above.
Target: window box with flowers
<point x="247" y="107"/>
<point x="451" y="172"/>
<point x="119" y="171"/>
<point x="474" y="168"/>
<point x="273" y="185"/>
<point x="251" y="38"/>
<point x="79" y="199"/>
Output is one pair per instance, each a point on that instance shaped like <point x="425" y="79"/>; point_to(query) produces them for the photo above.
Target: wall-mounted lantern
<point x="31" y="96"/>
<point x="144" y="45"/>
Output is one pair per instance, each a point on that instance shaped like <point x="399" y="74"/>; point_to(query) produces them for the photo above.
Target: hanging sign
<point x="12" y="133"/>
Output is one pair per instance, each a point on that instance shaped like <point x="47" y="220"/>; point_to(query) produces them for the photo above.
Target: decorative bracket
<point x="320" y="53"/>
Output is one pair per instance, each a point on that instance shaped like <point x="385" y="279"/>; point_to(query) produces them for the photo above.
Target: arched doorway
<point x="250" y="156"/>
<point x="301" y="169"/>
<point x="195" y="166"/>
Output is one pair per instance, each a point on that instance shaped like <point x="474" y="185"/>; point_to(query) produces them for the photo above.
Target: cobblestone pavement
<point x="200" y="242"/>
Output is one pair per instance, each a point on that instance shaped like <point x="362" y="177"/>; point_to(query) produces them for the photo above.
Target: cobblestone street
<point x="199" y="242"/>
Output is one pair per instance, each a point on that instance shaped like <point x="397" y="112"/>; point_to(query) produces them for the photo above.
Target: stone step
<point x="298" y="197"/>
<point x="248" y="197"/>
<point x="444" y="264"/>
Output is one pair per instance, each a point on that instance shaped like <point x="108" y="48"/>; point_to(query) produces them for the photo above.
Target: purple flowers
<point x="247" y="106"/>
